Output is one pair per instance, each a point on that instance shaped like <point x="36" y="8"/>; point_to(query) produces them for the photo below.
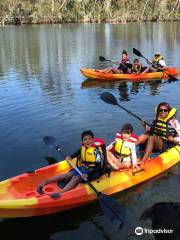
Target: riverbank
<point x="18" y="21"/>
<point x="81" y="11"/>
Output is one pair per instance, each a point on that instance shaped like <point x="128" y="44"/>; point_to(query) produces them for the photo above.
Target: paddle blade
<point x="108" y="98"/>
<point x="50" y="142"/>
<point x="112" y="210"/>
<point x="138" y="53"/>
<point x="172" y="78"/>
<point x="51" y="160"/>
<point x="101" y="58"/>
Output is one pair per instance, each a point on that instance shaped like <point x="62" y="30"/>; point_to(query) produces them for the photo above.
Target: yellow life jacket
<point x="137" y="68"/>
<point x="156" y="59"/>
<point x="162" y="127"/>
<point x="87" y="155"/>
<point x="120" y="150"/>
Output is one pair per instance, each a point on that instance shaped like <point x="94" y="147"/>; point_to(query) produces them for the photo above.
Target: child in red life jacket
<point x="91" y="163"/>
<point x="122" y="152"/>
<point x="124" y="65"/>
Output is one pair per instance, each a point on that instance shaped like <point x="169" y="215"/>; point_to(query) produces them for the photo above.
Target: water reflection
<point x="44" y="227"/>
<point x="129" y="88"/>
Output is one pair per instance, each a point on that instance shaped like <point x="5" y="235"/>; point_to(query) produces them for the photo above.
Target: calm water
<point x="42" y="93"/>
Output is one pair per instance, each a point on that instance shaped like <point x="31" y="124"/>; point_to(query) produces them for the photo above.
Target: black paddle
<point x="110" y="99"/>
<point x="102" y="59"/>
<point x="110" y="207"/>
<point x="139" y="54"/>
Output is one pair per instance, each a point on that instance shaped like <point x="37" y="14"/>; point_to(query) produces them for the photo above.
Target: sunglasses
<point x="163" y="110"/>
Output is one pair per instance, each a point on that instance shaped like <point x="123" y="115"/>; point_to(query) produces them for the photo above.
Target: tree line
<point x="100" y="11"/>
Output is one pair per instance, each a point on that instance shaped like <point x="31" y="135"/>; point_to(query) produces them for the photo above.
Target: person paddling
<point x="91" y="163"/>
<point x="164" y="132"/>
<point x="157" y="65"/>
<point x="122" y="153"/>
<point x="124" y="65"/>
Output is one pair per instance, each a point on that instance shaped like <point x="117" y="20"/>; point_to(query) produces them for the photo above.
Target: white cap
<point x="157" y="53"/>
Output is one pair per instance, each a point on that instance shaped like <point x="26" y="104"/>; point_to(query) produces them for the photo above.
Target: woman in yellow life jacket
<point x="91" y="163"/>
<point x="122" y="153"/>
<point x="157" y="64"/>
<point x="164" y="132"/>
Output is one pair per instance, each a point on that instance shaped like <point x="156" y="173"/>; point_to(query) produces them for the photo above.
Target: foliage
<point x="52" y="11"/>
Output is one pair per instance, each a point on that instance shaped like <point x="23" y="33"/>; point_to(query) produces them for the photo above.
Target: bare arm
<point x="176" y="125"/>
<point x="133" y="155"/>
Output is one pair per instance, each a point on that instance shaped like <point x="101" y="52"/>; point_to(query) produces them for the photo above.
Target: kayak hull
<point x="19" y="198"/>
<point x="94" y="74"/>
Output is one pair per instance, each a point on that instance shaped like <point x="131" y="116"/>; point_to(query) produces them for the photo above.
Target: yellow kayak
<point x="95" y="74"/>
<point x="19" y="198"/>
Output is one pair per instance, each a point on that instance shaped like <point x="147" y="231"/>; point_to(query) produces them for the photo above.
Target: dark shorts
<point x="167" y="145"/>
<point x="124" y="67"/>
<point x="82" y="169"/>
<point x="91" y="174"/>
<point x="142" y="69"/>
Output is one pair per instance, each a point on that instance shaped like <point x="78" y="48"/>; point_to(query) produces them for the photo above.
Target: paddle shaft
<point x="101" y="58"/>
<point x="134" y="115"/>
<point x="108" y="60"/>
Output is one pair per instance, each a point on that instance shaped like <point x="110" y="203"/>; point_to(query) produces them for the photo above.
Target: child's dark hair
<point x="124" y="52"/>
<point x="87" y="132"/>
<point x="127" y="128"/>
<point x="136" y="60"/>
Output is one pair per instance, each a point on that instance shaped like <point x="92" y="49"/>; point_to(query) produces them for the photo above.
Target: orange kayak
<point x="94" y="74"/>
<point x="19" y="198"/>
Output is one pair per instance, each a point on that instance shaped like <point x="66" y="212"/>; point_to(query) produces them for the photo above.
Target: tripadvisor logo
<point x="139" y="231"/>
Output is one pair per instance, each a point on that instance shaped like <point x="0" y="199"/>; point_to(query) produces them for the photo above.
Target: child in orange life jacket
<point x="122" y="152"/>
<point x="91" y="163"/>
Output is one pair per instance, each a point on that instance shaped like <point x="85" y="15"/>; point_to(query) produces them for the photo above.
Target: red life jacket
<point x="125" y="60"/>
<point x="98" y="142"/>
<point x="133" y="138"/>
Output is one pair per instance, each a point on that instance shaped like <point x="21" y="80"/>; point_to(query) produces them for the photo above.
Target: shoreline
<point x="17" y="21"/>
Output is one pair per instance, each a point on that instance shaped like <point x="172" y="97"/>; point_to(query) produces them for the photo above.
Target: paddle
<point x="110" y="207"/>
<point x="102" y="59"/>
<point x="139" y="54"/>
<point x="110" y="99"/>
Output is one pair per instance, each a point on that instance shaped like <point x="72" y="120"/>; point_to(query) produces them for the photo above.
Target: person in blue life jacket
<point x="91" y="159"/>
<point x="121" y="153"/>
<point x="157" y="64"/>
<point x="164" y="132"/>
